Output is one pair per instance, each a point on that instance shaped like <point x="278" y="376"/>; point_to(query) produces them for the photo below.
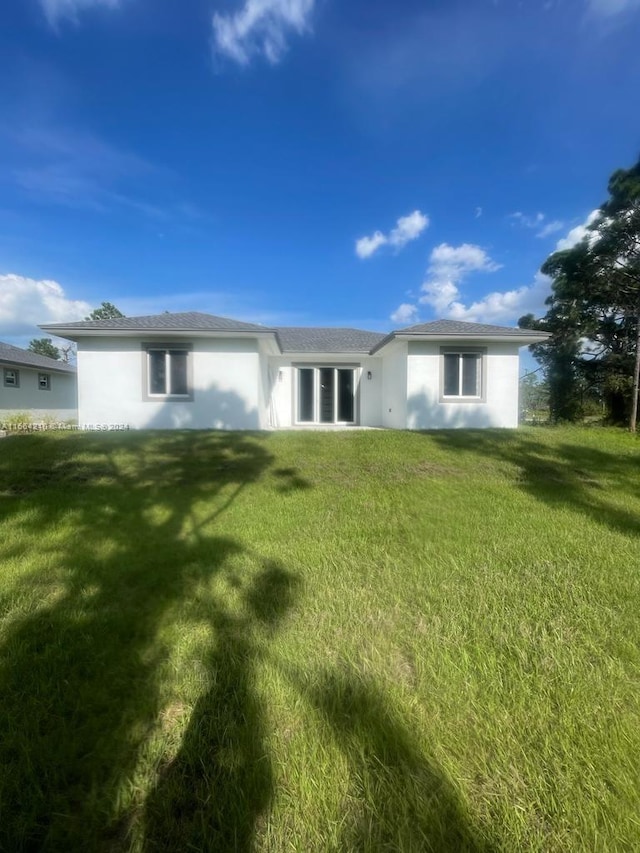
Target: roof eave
<point x="511" y="338"/>
<point x="386" y="340"/>
<point x="521" y="340"/>
<point x="300" y="353"/>
<point x="74" y="334"/>
<point x="68" y="371"/>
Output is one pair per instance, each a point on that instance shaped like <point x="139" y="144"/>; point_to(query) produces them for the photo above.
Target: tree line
<point x="593" y="312"/>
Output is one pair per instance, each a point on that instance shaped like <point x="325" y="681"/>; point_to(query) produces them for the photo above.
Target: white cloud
<point x="496" y="307"/>
<point x="407" y="228"/>
<point x="504" y="306"/>
<point x="550" y="228"/>
<point x="538" y="223"/>
<point x="578" y="233"/>
<point x="454" y="262"/>
<point x="448" y="266"/>
<point x="55" y="10"/>
<point x="528" y="221"/>
<point x="501" y="307"/>
<point x="440" y="295"/>
<point x="25" y="303"/>
<point x="405" y="314"/>
<point x="366" y="246"/>
<point x="610" y="8"/>
<point x="260" y="28"/>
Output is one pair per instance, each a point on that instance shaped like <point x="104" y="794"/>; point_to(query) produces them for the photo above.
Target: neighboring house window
<point x="44" y="381"/>
<point x="167" y="371"/>
<point x="462" y="373"/>
<point x="326" y="395"/>
<point x="11" y="378"/>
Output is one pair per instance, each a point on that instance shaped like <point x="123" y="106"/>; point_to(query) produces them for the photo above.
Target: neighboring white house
<point x="199" y="371"/>
<point x="36" y="385"/>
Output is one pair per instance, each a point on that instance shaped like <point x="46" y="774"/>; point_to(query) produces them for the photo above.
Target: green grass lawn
<point x="352" y="641"/>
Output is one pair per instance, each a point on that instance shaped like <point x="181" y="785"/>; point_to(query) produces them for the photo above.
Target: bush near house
<point x="320" y="641"/>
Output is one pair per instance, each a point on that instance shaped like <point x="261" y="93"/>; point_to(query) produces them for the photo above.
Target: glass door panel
<point x="305" y="395"/>
<point x="345" y="396"/>
<point x="327" y="385"/>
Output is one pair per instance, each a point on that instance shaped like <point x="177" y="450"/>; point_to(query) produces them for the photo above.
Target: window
<point x="326" y="395"/>
<point x="11" y="378"/>
<point x="167" y="371"/>
<point x="44" y="381"/>
<point x="462" y="373"/>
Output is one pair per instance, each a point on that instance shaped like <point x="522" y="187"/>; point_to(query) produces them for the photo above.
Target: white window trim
<point x="47" y="378"/>
<point x="316" y="367"/>
<point x="462" y="398"/>
<point x="150" y="346"/>
<point x="16" y="374"/>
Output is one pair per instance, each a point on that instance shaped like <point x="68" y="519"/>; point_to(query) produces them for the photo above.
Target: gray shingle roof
<point x="302" y="339"/>
<point x="25" y="358"/>
<point x="457" y="327"/>
<point x="189" y="321"/>
<point x="330" y="340"/>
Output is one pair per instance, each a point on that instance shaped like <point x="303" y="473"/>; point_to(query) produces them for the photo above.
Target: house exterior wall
<point x="60" y="402"/>
<point x="264" y="386"/>
<point x="283" y="391"/>
<point x="371" y="392"/>
<point x="394" y="386"/>
<point x="236" y="384"/>
<point x="425" y="408"/>
<point x="225" y="382"/>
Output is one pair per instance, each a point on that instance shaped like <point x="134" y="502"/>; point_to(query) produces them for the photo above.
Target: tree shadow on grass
<point x="132" y="544"/>
<point x="212" y="795"/>
<point x="399" y="798"/>
<point x="577" y="477"/>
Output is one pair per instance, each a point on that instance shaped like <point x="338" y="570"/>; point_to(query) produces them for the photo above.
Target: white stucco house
<point x="194" y="370"/>
<point x="36" y="385"/>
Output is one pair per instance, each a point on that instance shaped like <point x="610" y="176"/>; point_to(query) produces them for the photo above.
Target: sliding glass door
<point x="326" y="395"/>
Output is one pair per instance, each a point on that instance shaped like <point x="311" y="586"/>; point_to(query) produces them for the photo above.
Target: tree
<point x="594" y="310"/>
<point x="618" y="251"/>
<point x="106" y="311"/>
<point x="45" y="346"/>
<point x="534" y="398"/>
<point x="69" y="353"/>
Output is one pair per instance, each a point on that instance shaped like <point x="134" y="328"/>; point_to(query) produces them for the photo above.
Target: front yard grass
<point x="351" y="641"/>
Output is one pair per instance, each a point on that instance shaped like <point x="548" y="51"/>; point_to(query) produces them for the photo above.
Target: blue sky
<point x="297" y="162"/>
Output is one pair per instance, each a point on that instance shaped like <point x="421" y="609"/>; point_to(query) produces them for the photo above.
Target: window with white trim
<point x="44" y="381"/>
<point x="462" y="373"/>
<point x="167" y="371"/>
<point x="11" y="378"/>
